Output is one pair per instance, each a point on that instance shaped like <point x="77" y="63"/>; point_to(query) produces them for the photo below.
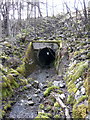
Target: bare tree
<point x="53" y="6"/>
<point x="46" y="8"/>
<point x="27" y="10"/>
<point x="5" y="14"/>
<point x="85" y="11"/>
<point x="34" y="4"/>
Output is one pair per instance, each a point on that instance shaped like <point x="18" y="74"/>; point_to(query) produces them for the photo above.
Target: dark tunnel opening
<point x="46" y="56"/>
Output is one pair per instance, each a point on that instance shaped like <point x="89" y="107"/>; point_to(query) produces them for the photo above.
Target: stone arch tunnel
<point x="46" y="51"/>
<point x="46" y="56"/>
<point x="39" y="52"/>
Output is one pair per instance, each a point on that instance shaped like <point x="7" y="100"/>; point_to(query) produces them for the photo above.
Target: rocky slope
<point x="67" y="94"/>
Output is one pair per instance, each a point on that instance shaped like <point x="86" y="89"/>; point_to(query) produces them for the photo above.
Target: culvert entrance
<point x="46" y="56"/>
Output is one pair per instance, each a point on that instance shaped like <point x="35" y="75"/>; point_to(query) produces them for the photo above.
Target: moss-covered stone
<point x="49" y="90"/>
<point x="77" y="70"/>
<point x="81" y="99"/>
<point x="89" y="104"/>
<point x="7" y="106"/>
<point x="43" y="115"/>
<point x="21" y="69"/>
<point x="72" y="88"/>
<point x="56" y="104"/>
<point x="48" y="108"/>
<point x="79" y="111"/>
<point x="70" y="99"/>
<point x="41" y="106"/>
<point x="3" y="69"/>
<point x="88" y="54"/>
<point x="2" y="113"/>
<point x="28" y="65"/>
<point x="57" y="116"/>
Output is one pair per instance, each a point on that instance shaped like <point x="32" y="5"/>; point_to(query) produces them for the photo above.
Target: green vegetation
<point x="56" y="104"/>
<point x="41" y="106"/>
<point x="43" y="115"/>
<point x="50" y="89"/>
<point x="57" y="116"/>
<point x="79" y="111"/>
<point x="77" y="70"/>
<point x="28" y="65"/>
<point x="80" y="100"/>
<point x="70" y="99"/>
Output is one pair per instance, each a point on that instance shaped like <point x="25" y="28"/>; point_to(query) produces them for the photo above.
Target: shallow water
<point x="23" y="108"/>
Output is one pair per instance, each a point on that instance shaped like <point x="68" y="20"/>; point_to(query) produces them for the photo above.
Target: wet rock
<point x="82" y="90"/>
<point x="83" y="57"/>
<point x="28" y="86"/>
<point x="78" y="80"/>
<point x="29" y="97"/>
<point x="88" y="117"/>
<point x="59" y="84"/>
<point x="35" y="84"/>
<point x="55" y="83"/>
<point x="31" y="103"/>
<point x="79" y="84"/>
<point x="62" y="96"/>
<point x="38" y="91"/>
<point x="62" y="84"/>
<point x="35" y="95"/>
<point x="77" y="95"/>
<point x="41" y="86"/>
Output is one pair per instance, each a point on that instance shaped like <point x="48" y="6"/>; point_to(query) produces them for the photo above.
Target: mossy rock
<point x="70" y="99"/>
<point x="14" y="72"/>
<point x="77" y="70"/>
<point x="28" y="64"/>
<point x="88" y="54"/>
<point x="41" y="106"/>
<point x="56" y="104"/>
<point x="89" y="104"/>
<point x="74" y="73"/>
<point x="87" y="87"/>
<point x="2" y="113"/>
<point x="7" y="44"/>
<point x="81" y="99"/>
<point x="21" y="69"/>
<point x="48" y="108"/>
<point x="3" y="69"/>
<point x="72" y="88"/>
<point x="50" y="89"/>
<point x="7" y="106"/>
<point x="43" y="115"/>
<point x="80" y="111"/>
<point x="57" y="116"/>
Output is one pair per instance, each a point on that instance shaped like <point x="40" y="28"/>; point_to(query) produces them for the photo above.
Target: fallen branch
<point x="57" y="97"/>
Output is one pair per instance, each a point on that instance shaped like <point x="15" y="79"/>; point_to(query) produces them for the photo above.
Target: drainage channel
<point x="28" y="101"/>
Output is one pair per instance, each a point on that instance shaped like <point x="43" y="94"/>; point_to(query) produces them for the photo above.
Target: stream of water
<point x="27" y="102"/>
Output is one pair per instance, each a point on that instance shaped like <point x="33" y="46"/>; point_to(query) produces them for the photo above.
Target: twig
<point x="57" y="97"/>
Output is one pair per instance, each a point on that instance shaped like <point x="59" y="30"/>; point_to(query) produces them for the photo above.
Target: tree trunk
<point x="5" y="23"/>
